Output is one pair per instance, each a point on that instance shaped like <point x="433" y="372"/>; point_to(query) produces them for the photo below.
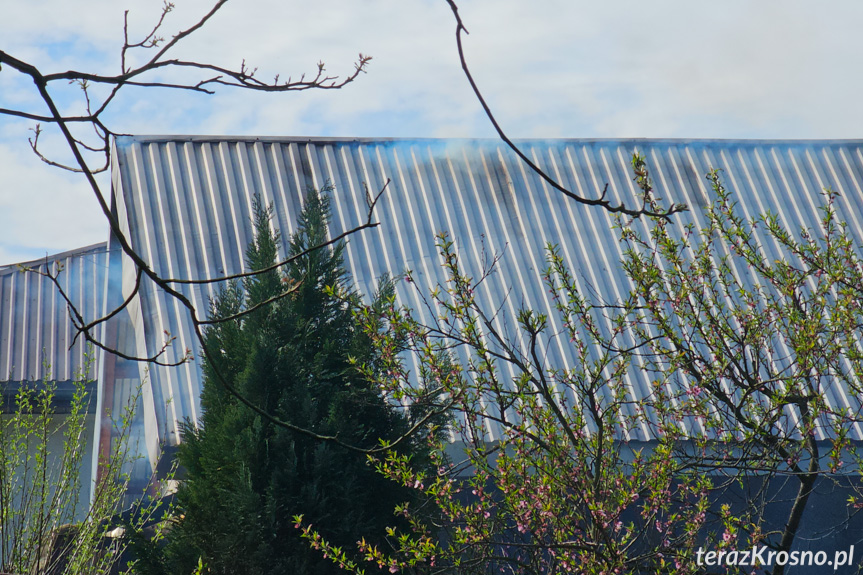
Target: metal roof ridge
<point x="156" y="138"/>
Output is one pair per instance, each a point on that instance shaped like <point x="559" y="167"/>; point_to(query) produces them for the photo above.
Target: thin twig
<point x="601" y="201"/>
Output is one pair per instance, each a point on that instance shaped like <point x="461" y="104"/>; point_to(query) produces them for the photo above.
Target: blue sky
<point x="554" y="68"/>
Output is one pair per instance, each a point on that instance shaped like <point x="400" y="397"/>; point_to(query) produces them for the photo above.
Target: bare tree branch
<point x="601" y="201"/>
<point x="131" y="75"/>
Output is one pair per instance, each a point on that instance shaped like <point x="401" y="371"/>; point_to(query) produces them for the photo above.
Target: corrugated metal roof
<point x="187" y="203"/>
<point x="35" y="323"/>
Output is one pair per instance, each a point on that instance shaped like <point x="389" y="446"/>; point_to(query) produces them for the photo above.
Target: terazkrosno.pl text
<point x="762" y="556"/>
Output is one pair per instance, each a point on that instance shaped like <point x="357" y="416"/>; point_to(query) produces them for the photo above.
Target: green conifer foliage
<point x="294" y="357"/>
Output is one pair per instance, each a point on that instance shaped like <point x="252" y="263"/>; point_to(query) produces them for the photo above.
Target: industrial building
<point x="185" y="203"/>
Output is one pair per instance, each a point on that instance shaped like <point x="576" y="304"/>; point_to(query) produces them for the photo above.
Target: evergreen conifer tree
<point x="245" y="477"/>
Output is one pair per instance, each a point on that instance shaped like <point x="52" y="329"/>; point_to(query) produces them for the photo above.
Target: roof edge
<point x="156" y="138"/>
<point x="92" y="248"/>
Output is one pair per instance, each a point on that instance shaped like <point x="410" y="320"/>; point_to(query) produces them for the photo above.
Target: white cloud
<point x="43" y="210"/>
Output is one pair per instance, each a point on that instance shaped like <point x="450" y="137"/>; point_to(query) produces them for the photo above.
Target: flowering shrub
<point x="740" y="348"/>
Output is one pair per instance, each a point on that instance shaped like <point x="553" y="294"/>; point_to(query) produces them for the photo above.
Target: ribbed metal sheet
<point x="187" y="205"/>
<point x="35" y="323"/>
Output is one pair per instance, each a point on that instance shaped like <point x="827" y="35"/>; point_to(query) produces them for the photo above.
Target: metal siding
<point x="189" y="205"/>
<point x="35" y="328"/>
